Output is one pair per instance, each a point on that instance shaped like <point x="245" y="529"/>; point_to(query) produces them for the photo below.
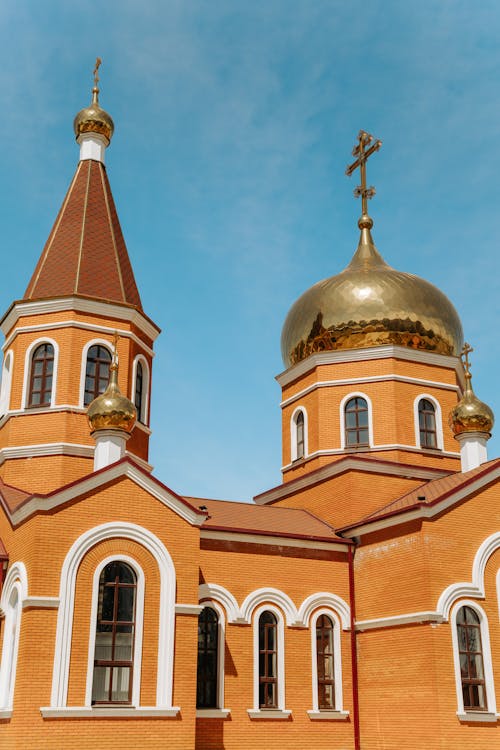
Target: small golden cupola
<point x="370" y="303"/>
<point x="471" y="421"/>
<point x="93" y="126"/>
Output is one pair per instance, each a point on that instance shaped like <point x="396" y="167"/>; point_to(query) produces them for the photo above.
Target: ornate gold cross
<point x="366" y="193"/>
<point x="466" y="350"/>
<point x="96" y="71"/>
<point x="116" y="338"/>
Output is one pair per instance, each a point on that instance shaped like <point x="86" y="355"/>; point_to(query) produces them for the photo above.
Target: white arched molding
<point x="5" y="387"/>
<point x="438" y="419"/>
<point x="337" y="712"/>
<point x="293" y="433"/>
<point x="27" y="370"/>
<point x="274" y="596"/>
<point x="115" y="530"/>
<point x="355" y="394"/>
<point x="15" y="590"/>
<point x="85" y="352"/>
<point x="280" y="712"/>
<point x="146" y="380"/>
<point x="223" y="597"/>
<point x="139" y="625"/>
<point x="328" y="601"/>
<point x="220" y="711"/>
<point x="475" y="588"/>
<point x="490" y="713"/>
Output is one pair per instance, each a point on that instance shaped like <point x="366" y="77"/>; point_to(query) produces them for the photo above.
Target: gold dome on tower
<point x="370" y="303"/>
<point x="470" y="414"/>
<point x="112" y="410"/>
<point x="94" y="119"/>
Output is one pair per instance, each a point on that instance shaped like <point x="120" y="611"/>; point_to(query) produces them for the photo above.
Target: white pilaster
<point x="473" y="451"/>
<point x="92" y="146"/>
<point x="109" y="447"/>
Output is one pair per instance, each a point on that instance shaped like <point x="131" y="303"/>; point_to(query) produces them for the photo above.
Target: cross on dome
<point x="466" y="350"/>
<point x="366" y="193"/>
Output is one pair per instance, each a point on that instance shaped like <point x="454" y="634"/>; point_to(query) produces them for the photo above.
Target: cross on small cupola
<point x="466" y="350"/>
<point x="365" y="148"/>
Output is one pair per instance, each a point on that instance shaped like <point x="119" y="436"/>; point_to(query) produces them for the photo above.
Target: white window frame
<point x="337" y="666"/>
<point x="490" y="713"/>
<point x="219" y="711"/>
<point x="139" y="625"/>
<point x="15" y="590"/>
<point x="27" y="371"/>
<point x="293" y="433"/>
<point x="438" y="420"/>
<point x="348" y="397"/>
<point x="280" y="712"/>
<point x="85" y="352"/>
<point x="146" y="376"/>
<point x="6" y="386"/>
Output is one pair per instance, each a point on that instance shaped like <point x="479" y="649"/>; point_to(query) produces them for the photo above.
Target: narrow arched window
<point x="268" y="660"/>
<point x="325" y="663"/>
<point x="96" y="372"/>
<point x="300" y="435"/>
<point x="208" y="659"/>
<point x="471" y="659"/>
<point x="139" y="392"/>
<point x="427" y="423"/>
<point x="41" y="373"/>
<point x="115" y="630"/>
<point x="9" y="649"/>
<point x="356" y="422"/>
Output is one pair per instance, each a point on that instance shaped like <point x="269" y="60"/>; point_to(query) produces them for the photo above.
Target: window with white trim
<point x="41" y="374"/>
<point x="268" y="660"/>
<point x="96" y="372"/>
<point x="6" y="383"/>
<point x="325" y="672"/>
<point x="427" y="424"/>
<point x="11" y="628"/>
<point x="356" y="423"/>
<point x="208" y="659"/>
<point x="140" y="388"/>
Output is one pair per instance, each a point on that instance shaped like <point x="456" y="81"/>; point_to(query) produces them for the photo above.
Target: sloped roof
<point x="3" y="552"/>
<point x="267" y="520"/>
<point x="85" y="253"/>
<point x="12" y="496"/>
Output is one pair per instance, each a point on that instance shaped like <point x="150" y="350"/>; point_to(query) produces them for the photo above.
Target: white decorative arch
<point x="15" y="590"/>
<point x="337" y="661"/>
<point x="85" y="351"/>
<point x="474" y="588"/>
<point x="356" y="394"/>
<point x="293" y="433"/>
<point x="5" y="388"/>
<point x="274" y="596"/>
<point x="146" y="380"/>
<point x="27" y="369"/>
<point x="438" y="417"/>
<point x="115" y="530"/>
<point x="222" y="596"/>
<point x="326" y="600"/>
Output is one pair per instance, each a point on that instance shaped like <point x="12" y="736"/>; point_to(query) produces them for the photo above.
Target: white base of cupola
<point x="109" y="447"/>
<point x="92" y="146"/>
<point x="473" y="451"/>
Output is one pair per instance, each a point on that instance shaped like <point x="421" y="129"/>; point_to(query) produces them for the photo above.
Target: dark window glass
<point x="471" y="659"/>
<point x="42" y="369"/>
<point x="268" y="661"/>
<point x="114" y="640"/>
<point x="139" y="393"/>
<point x="427" y="424"/>
<point x="356" y="422"/>
<point x="96" y="372"/>
<point x="299" y="427"/>
<point x="324" y="661"/>
<point x="208" y="645"/>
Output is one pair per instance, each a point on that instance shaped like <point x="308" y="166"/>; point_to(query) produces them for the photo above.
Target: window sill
<point x="270" y="713"/>
<point x="5" y="713"/>
<point x="328" y="715"/>
<point x="94" y="712"/>
<point x="481" y="716"/>
<point x="212" y="713"/>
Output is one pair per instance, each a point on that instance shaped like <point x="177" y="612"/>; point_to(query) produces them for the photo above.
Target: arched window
<point x="96" y="372"/>
<point x="268" y="661"/>
<point x="10" y="647"/>
<point x="325" y="663"/>
<point x="208" y="659"/>
<point x="356" y="423"/>
<point x="6" y="383"/>
<point x="41" y="372"/>
<point x="427" y="423"/>
<point x="139" y="392"/>
<point x="300" y="436"/>
<point x="115" y="630"/>
<point x="471" y="659"/>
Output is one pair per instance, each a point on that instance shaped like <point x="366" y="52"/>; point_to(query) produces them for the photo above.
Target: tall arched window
<point x="41" y="372"/>
<point x="356" y="423"/>
<point x="115" y="631"/>
<point x="427" y="423"/>
<point x="139" y="392"/>
<point x="300" y="435"/>
<point x="470" y="653"/>
<point x="208" y="659"/>
<point x="268" y="661"/>
<point x="325" y="663"/>
<point x="10" y="647"/>
<point x="96" y="372"/>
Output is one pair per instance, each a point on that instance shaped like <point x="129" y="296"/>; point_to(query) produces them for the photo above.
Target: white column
<point x="473" y="451"/>
<point x="92" y="146"/>
<point x="109" y="447"/>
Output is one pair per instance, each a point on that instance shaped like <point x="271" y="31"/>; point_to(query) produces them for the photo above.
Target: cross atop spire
<point x="95" y="90"/>
<point x="466" y="350"/>
<point x="366" y="193"/>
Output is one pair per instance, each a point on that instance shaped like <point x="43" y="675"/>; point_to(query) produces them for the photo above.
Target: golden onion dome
<point x="112" y="410"/>
<point x="470" y="414"/>
<point x="370" y="304"/>
<point x="94" y="119"/>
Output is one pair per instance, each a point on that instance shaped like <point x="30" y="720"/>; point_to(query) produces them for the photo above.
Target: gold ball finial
<point x="112" y="410"/>
<point x="470" y="414"/>
<point x="94" y="119"/>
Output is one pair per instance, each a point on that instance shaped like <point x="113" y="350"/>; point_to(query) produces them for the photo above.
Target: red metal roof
<point x="85" y="253"/>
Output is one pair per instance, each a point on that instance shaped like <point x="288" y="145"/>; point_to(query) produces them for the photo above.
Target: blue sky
<point x="234" y="124"/>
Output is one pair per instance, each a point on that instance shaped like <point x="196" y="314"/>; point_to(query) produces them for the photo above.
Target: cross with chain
<point x="364" y="140"/>
<point x="466" y="350"/>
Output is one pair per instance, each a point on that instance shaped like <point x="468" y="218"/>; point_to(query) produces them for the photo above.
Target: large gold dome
<point x="369" y="304"/>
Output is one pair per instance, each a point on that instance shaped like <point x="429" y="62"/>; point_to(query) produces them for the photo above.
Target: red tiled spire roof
<point x="85" y="253"/>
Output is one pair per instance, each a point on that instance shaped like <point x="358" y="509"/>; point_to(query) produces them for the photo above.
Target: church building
<point x="353" y="606"/>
